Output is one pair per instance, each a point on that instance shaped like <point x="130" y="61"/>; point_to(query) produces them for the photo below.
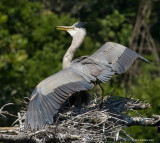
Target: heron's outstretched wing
<point x="51" y="93"/>
<point x="118" y="56"/>
<point x="110" y="59"/>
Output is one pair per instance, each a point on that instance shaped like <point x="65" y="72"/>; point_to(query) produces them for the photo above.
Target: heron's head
<point x="74" y="29"/>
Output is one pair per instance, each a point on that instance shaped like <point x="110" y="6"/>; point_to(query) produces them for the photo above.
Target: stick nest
<point x="91" y="123"/>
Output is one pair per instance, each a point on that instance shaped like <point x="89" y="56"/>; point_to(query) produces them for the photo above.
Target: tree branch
<point x="141" y="121"/>
<point x="18" y="138"/>
<point x="88" y="124"/>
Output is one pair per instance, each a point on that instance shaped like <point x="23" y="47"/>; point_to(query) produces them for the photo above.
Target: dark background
<point x="31" y="48"/>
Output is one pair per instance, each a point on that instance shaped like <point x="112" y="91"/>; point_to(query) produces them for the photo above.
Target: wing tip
<point x="145" y="60"/>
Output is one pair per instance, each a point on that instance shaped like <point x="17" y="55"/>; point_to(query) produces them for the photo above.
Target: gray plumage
<point x="51" y="93"/>
<point x="81" y="75"/>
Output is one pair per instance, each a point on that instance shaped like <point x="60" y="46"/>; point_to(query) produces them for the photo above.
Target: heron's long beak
<point x="64" y="27"/>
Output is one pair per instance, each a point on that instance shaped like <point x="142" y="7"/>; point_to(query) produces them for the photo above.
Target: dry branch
<point x="18" y="138"/>
<point x="88" y="124"/>
<point x="3" y="113"/>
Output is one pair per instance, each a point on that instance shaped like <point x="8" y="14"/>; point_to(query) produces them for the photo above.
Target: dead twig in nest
<point x="88" y="124"/>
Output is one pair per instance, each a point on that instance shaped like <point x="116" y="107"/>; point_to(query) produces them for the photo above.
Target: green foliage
<point x="31" y="48"/>
<point x="115" y="28"/>
<point x="148" y="88"/>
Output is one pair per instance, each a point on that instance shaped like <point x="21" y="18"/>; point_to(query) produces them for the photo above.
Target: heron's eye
<point x="72" y="28"/>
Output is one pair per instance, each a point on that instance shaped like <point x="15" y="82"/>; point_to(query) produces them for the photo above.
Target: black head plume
<point x="80" y="24"/>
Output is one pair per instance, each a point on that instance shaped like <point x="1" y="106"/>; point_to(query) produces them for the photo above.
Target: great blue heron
<point x="78" y="75"/>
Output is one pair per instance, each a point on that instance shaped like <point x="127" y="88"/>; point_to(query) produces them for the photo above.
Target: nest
<point x="91" y="123"/>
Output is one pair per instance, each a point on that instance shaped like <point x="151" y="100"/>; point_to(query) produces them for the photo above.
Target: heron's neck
<point x="76" y="42"/>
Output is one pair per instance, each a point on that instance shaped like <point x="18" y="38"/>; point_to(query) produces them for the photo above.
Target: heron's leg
<point x="102" y="93"/>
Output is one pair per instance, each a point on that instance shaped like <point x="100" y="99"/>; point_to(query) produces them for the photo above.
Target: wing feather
<point x="50" y="94"/>
<point x="110" y="59"/>
<point x="117" y="56"/>
<point x="41" y="118"/>
<point x="59" y="99"/>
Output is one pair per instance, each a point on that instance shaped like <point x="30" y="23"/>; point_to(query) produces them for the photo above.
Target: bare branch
<point x="141" y="121"/>
<point x="6" y="112"/>
<point x="18" y="138"/>
<point x="88" y="124"/>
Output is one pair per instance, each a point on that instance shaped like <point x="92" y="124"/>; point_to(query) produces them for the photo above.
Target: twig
<point x="87" y="125"/>
<point x="6" y="112"/>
